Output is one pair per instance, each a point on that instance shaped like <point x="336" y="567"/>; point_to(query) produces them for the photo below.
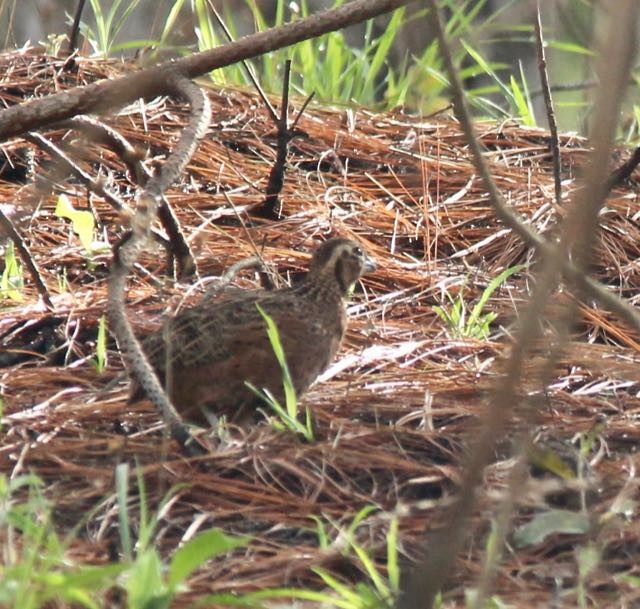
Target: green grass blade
<point x="101" y="345"/>
<point x="490" y="289"/>
<point x="522" y="104"/>
<point x="276" y="344"/>
<point x="170" y="21"/>
<point x="372" y="571"/>
<point x="393" y="565"/>
<point x="382" y="48"/>
<point x="345" y="591"/>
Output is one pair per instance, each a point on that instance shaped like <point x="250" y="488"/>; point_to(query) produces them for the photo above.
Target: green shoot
<point x="478" y="324"/>
<point x="100" y="361"/>
<point x="36" y="570"/>
<point x="53" y="44"/>
<point x="63" y="281"/>
<point x="324" y="542"/>
<point x="377" y="589"/>
<point x="326" y="66"/>
<point x="205" y="30"/>
<point x="348" y="533"/>
<point x="522" y="100"/>
<point x="588" y="558"/>
<point x="517" y="97"/>
<point x="122" y="494"/>
<point x="170" y="23"/>
<point x="288" y="415"/>
<point x="83" y="225"/>
<point x="108" y="26"/>
<point x="393" y="565"/>
<point x="12" y="281"/>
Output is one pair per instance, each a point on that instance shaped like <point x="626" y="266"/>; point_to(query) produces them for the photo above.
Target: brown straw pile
<point x="395" y="410"/>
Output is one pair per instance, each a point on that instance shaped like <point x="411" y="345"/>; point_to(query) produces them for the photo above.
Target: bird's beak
<point x="369" y="265"/>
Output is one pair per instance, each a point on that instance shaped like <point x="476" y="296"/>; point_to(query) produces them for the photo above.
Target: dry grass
<point x="394" y="411"/>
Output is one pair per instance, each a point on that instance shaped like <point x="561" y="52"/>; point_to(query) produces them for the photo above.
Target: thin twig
<point x="271" y="207"/>
<point x="302" y="109"/>
<point x="622" y="173"/>
<point x="75" y="28"/>
<point x="548" y="101"/>
<point x="252" y="77"/>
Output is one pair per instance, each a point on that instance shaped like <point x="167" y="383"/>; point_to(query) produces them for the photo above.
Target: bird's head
<point x="341" y="260"/>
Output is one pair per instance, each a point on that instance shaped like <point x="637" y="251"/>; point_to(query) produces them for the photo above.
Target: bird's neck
<point x="322" y="287"/>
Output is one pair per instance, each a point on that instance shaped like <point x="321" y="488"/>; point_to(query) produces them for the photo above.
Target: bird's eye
<point x="358" y="251"/>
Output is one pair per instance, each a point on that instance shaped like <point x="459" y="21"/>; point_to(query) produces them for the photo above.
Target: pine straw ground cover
<point x="393" y="413"/>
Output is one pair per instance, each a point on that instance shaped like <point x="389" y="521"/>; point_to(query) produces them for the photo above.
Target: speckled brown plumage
<point x="217" y="345"/>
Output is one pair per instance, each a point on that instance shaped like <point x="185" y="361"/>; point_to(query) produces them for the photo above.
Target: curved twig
<point x="127" y="251"/>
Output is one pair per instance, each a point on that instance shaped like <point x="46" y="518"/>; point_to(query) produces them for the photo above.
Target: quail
<point x="206" y="355"/>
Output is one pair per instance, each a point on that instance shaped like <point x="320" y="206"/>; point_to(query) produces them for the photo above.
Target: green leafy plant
<point x="53" y="43"/>
<point x="169" y="25"/>
<point x="208" y="38"/>
<point x="474" y="324"/>
<point x="379" y="590"/>
<point x="324" y="538"/>
<point x="339" y="73"/>
<point x="12" y="280"/>
<point x="36" y="571"/>
<point x="147" y="581"/>
<point x="551" y="522"/>
<point x="515" y="94"/>
<point x="83" y="225"/>
<point x="422" y="82"/>
<point x="287" y="415"/>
